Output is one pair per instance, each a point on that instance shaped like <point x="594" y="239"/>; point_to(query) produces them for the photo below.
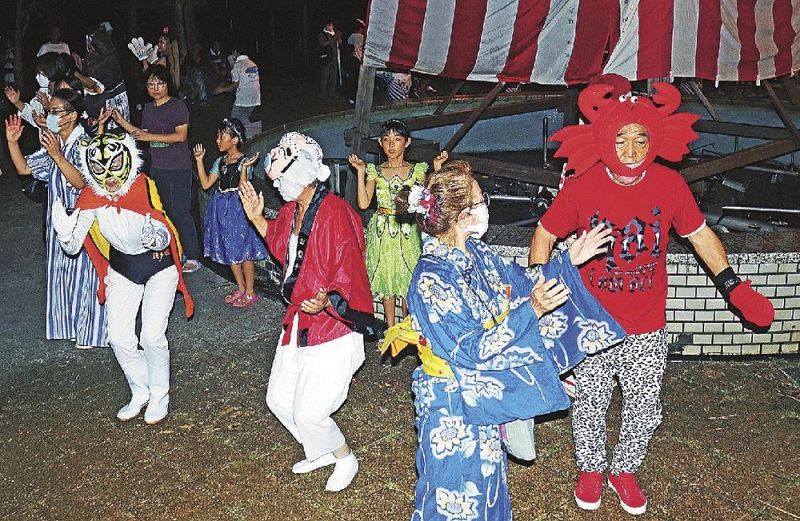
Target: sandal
<point x="245" y="301"/>
<point x="230" y="298"/>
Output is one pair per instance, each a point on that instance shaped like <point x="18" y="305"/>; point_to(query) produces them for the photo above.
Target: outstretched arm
<point x="754" y="307"/>
<point x="541" y="246"/>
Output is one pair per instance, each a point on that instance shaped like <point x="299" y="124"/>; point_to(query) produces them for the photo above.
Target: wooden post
<point x="449" y="98"/>
<point x="366" y="88"/>
<point x="782" y="112"/>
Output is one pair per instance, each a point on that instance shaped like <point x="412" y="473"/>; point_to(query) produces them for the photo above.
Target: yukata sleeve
<point x="42" y="165"/>
<point x="446" y="316"/>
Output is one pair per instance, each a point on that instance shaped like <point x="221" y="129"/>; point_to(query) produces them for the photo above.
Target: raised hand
<point x="199" y="152"/>
<point x="439" y="160"/>
<point x="357" y="163"/>
<point x="140" y="49"/>
<point x="252" y="202"/>
<point x="104" y="116"/>
<point x="589" y="244"/>
<point x="12" y="94"/>
<point x="63" y="224"/>
<point x="39" y="119"/>
<point x="547" y="296"/>
<point x="248" y="162"/>
<point x="316" y="304"/>
<point x="51" y="143"/>
<point x="43" y="98"/>
<point x="13" y="128"/>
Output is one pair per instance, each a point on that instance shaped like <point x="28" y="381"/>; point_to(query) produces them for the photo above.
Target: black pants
<point x="175" y="190"/>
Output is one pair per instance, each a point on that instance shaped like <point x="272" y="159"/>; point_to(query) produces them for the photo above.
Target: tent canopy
<point x="562" y="42"/>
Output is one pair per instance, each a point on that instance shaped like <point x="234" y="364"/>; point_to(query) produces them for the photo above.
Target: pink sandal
<point x="245" y="301"/>
<point x="233" y="297"/>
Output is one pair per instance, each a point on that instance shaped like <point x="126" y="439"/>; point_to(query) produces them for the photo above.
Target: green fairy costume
<point x="393" y="240"/>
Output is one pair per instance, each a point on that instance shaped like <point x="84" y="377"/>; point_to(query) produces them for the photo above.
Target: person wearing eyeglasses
<point x="493" y="345"/>
<point x="165" y="126"/>
<point x="73" y="310"/>
<point x="228" y="237"/>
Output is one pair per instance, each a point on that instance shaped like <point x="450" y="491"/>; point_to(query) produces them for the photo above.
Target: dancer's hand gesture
<point x="439" y="160"/>
<point x="357" y="163"/>
<point x="12" y="94"/>
<point x="199" y="152"/>
<point x="589" y="244"/>
<point x="252" y="202"/>
<point x="316" y="304"/>
<point x="13" y="128"/>
<point x="51" y="143"/>
<point x="248" y="162"/>
<point x="547" y="296"/>
<point x="63" y="224"/>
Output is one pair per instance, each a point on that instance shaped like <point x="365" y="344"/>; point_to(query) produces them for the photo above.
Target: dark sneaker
<point x="631" y="497"/>
<point x="589" y="490"/>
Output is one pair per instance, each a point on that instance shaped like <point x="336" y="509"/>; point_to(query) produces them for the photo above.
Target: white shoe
<point x="156" y="410"/>
<point x="343" y="473"/>
<point x="131" y="410"/>
<point x="303" y="466"/>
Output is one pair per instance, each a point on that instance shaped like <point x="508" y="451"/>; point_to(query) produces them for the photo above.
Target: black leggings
<point x="175" y="190"/>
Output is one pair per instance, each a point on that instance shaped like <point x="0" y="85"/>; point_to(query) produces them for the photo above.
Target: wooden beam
<point x="474" y="117"/>
<point x="456" y="117"/>
<point x="782" y="112"/>
<point x="363" y="109"/>
<point x="792" y="89"/>
<point x="443" y="105"/>
<point x="703" y="99"/>
<point x="741" y="129"/>
<point x="526" y="174"/>
<point x="738" y="159"/>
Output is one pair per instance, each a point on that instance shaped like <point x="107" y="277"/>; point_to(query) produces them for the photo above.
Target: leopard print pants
<point x="638" y="363"/>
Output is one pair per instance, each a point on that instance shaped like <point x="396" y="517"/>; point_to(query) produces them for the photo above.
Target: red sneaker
<point x="589" y="490"/>
<point x="631" y="497"/>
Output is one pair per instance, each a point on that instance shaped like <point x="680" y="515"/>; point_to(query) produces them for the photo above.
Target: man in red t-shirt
<point x="617" y="184"/>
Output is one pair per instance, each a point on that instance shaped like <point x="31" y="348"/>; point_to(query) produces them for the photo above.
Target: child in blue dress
<point x="228" y="237"/>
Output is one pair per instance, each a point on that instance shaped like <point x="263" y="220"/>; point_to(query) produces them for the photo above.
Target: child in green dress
<point x="393" y="240"/>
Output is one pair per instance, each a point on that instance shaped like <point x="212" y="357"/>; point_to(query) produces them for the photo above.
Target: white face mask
<point x="52" y="123"/>
<point x="42" y="80"/>
<point x="478" y="229"/>
<point x="288" y="189"/>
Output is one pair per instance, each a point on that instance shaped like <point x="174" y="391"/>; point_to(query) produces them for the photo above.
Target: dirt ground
<point x="728" y="449"/>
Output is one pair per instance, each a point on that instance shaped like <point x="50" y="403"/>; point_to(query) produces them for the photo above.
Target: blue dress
<point x="228" y="237"/>
<point x="73" y="311"/>
<point x="475" y="312"/>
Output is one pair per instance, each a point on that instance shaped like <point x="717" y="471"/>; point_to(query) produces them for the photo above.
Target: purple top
<point x="164" y="119"/>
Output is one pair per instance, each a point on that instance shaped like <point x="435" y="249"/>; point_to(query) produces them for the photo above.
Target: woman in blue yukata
<point x="495" y="337"/>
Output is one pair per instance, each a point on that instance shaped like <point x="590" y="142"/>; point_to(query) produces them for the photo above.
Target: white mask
<point x="42" y="80"/>
<point x="53" y="123"/>
<point x="288" y="189"/>
<point x="478" y="229"/>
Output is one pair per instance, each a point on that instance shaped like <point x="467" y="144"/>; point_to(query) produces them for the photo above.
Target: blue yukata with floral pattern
<point x="506" y="368"/>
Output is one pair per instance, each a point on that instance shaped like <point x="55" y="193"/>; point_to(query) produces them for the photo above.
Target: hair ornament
<point x="423" y="202"/>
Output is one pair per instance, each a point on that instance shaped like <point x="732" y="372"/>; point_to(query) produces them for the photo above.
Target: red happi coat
<point x="142" y="198"/>
<point x="334" y="260"/>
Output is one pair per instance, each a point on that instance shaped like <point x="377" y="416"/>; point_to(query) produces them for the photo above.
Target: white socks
<point x="303" y="466"/>
<point x="343" y="473"/>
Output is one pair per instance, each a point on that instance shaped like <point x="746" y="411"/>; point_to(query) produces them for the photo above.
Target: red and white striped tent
<point x="574" y="41"/>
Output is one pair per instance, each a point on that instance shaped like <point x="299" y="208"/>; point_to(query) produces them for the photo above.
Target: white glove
<point x="155" y="238"/>
<point x="143" y="51"/>
<point x="63" y="224"/>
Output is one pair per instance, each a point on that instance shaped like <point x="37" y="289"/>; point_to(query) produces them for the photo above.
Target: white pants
<point x="308" y="384"/>
<point x="147" y="372"/>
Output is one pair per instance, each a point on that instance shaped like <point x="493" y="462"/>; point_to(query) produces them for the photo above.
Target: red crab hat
<point x="608" y="107"/>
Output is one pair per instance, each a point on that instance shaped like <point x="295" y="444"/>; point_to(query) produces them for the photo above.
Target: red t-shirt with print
<point x="630" y="281"/>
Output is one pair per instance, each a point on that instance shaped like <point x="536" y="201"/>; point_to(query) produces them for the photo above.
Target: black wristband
<point x="726" y="280"/>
